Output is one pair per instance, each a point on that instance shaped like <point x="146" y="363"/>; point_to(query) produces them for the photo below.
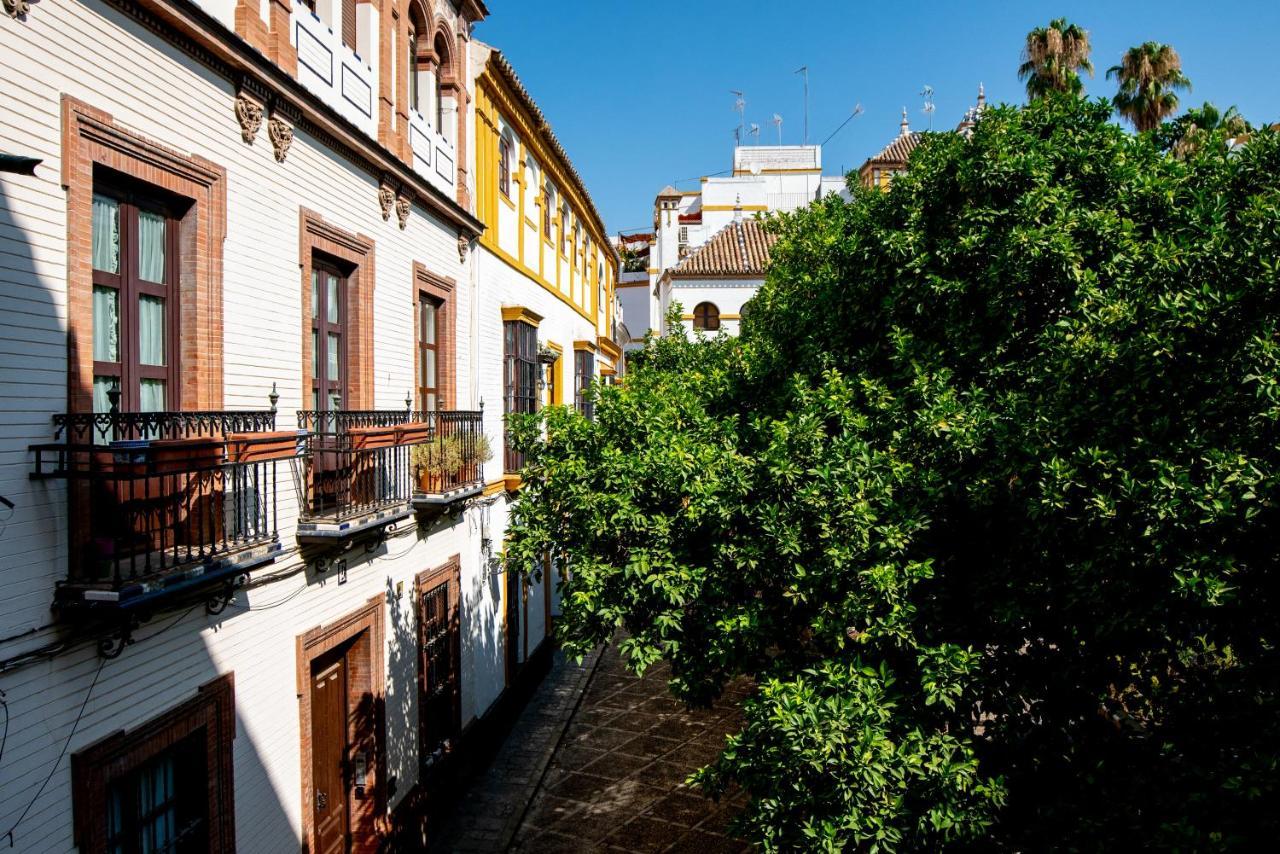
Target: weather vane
<point x="927" y="94"/>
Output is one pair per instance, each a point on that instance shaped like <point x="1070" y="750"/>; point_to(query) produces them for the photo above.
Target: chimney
<point x="737" y="208"/>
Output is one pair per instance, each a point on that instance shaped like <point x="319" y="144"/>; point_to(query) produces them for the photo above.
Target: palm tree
<point x="1148" y="74"/>
<point x="1197" y="125"/>
<point x="1053" y="58"/>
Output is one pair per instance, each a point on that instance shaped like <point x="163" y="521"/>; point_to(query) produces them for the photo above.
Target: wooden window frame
<point x="704" y="313"/>
<point x="354" y="253"/>
<point x="504" y="166"/>
<point x="441" y="290"/>
<point x="516" y="398"/>
<point x="91" y="142"/>
<point x="424" y="582"/>
<point x="96" y="767"/>
<point x="321" y="383"/>
<point x="133" y="197"/>
<point x="584" y="371"/>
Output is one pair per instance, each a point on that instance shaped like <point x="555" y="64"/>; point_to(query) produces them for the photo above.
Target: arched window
<point x="444" y="82"/>
<point x="419" y="63"/>
<point x="706" y="316"/>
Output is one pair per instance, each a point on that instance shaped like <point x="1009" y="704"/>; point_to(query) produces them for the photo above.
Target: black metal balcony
<point x="163" y="504"/>
<point x="355" y="475"/>
<point x="449" y="465"/>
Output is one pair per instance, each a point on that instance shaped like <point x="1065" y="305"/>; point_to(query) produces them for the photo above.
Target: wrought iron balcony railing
<point x="355" y="473"/>
<point x="449" y="465"/>
<point x="367" y="469"/>
<point x="163" y="501"/>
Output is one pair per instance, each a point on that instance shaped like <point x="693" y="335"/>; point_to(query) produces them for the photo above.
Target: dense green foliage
<point x="985" y="499"/>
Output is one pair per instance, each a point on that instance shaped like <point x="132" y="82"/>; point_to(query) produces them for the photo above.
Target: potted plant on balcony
<point x="447" y="462"/>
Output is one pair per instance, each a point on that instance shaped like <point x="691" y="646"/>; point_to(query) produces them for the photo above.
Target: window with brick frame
<point x="164" y="786"/>
<point x="134" y="250"/>
<point x="439" y="647"/>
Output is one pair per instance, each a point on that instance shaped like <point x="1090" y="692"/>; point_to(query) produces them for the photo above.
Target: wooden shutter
<point x="349" y="23"/>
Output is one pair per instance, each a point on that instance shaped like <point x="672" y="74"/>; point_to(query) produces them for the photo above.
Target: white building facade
<point x="254" y="380"/>
<point x="765" y="178"/>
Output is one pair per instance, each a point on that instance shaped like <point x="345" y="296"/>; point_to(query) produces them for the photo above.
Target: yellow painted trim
<point x="730" y="317"/>
<point x="609" y="348"/>
<point x="506" y="199"/>
<point x="585" y="345"/>
<point x="505" y="257"/>
<point x="686" y="317"/>
<point x="557" y="378"/>
<point x="493" y="487"/>
<point x="519" y="312"/>
<point x="530" y="223"/>
<point x="512" y="482"/>
<point x="653" y="271"/>
<point x="752" y="208"/>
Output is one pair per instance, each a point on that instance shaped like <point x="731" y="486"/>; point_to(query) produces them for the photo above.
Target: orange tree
<point x="985" y="500"/>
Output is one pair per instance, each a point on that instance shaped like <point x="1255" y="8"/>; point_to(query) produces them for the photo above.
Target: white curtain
<point x="106" y="324"/>
<point x="151" y="330"/>
<point x="150" y="246"/>
<point x="106" y="234"/>
<point x="102" y="385"/>
<point x="152" y="396"/>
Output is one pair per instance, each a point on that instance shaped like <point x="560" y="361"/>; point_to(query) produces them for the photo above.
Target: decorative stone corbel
<point x="402" y="211"/>
<point x="464" y="246"/>
<point x="281" y="134"/>
<point x="386" y="198"/>
<point x="16" y="8"/>
<point x="249" y="114"/>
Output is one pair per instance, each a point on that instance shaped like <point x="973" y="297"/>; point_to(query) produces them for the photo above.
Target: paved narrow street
<point x="601" y="768"/>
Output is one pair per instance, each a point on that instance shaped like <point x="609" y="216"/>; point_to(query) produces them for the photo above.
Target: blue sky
<point x="638" y="92"/>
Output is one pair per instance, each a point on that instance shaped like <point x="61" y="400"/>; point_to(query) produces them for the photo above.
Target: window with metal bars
<point x="520" y="379"/>
<point x="584" y="369"/>
<point x="438" y="668"/>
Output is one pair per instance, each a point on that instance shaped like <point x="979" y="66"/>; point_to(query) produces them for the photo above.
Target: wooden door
<point x="328" y="756"/>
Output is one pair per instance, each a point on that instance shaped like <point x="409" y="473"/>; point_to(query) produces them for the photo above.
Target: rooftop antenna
<point x="755" y="132"/>
<point x="927" y="94"/>
<point x="804" y="69"/>
<point x="777" y="122"/>
<point x="857" y="111"/>
<point x="740" y="105"/>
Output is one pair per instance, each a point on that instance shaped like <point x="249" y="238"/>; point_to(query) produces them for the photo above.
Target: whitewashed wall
<point x="728" y="295"/>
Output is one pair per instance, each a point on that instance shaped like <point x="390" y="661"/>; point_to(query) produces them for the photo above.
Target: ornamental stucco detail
<point x="281" y="133"/>
<point x="249" y="114"/>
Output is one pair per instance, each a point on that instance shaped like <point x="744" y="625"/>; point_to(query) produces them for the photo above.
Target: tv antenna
<point x="804" y="69"/>
<point x="755" y="132"/>
<point x="777" y="122"/>
<point x="740" y="106"/>
<point x="927" y="94"/>
<point x="857" y="111"/>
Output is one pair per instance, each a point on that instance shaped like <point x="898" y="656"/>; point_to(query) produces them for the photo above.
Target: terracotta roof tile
<point x="899" y="150"/>
<point x="740" y="248"/>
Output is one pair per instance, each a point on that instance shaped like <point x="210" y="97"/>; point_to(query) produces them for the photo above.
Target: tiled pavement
<point x="603" y="774"/>
<point x="616" y="781"/>
<point x="484" y="817"/>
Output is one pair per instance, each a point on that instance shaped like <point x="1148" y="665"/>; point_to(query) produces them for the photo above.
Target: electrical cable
<point x="75" y="726"/>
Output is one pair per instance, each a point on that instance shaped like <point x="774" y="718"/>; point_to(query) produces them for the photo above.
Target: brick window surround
<point x="90" y="137"/>
<point x="365" y="630"/>
<point x="354" y="256"/>
<point x="97" y="766"/>
<point x="440" y="289"/>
